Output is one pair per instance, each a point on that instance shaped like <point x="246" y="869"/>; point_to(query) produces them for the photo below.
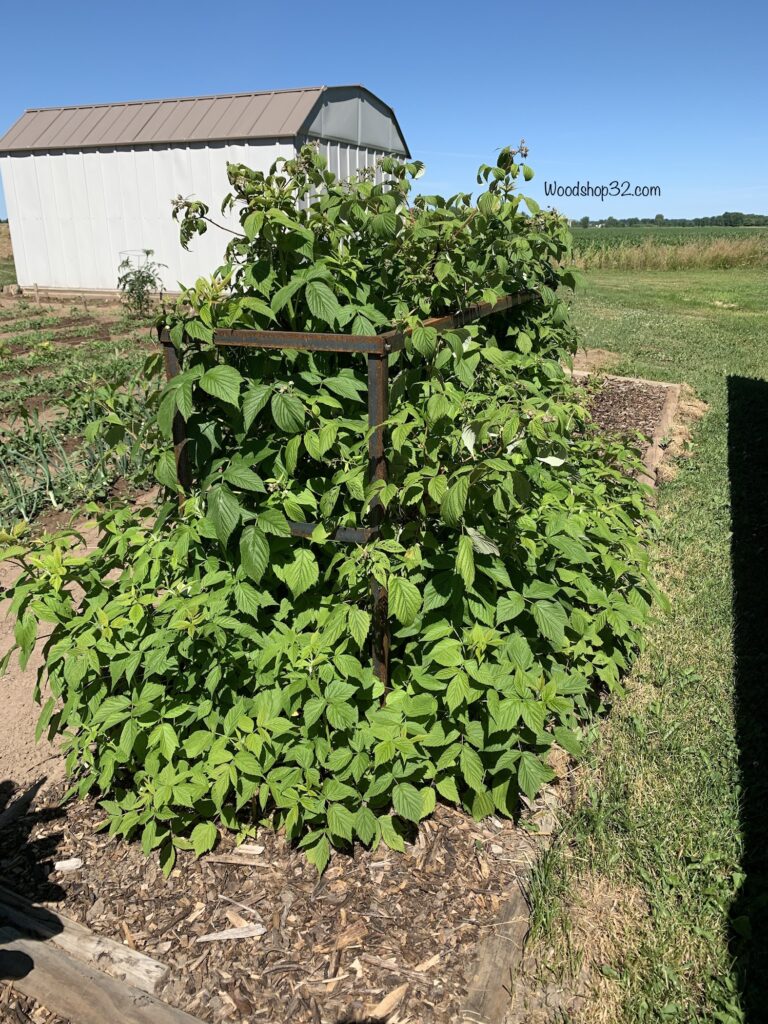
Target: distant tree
<point x="659" y="218"/>
<point x="584" y="222"/>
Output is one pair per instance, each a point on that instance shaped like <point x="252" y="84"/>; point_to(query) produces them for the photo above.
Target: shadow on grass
<point x="748" y="475"/>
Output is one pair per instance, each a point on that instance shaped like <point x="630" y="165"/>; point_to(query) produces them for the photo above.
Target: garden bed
<point x="632" y="406"/>
<point x="375" y="925"/>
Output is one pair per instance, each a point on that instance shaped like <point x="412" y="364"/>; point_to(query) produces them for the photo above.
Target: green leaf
<point x="341" y="716"/>
<point x="471" y="767"/>
<point x="448" y="789"/>
<point x="390" y="835"/>
<point x="223" y="382"/>
<point x="551" y="620"/>
<point x="366" y="825"/>
<point x="482" y="805"/>
<point x="359" y="625"/>
<point x="407" y="802"/>
<point x="404" y="599"/>
<point x="458" y="691"/>
<point x="112" y="711"/>
<point x="340" y="821"/>
<point x="569" y="741"/>
<point x="509" y="607"/>
<point x="322" y="303"/>
<point x="465" y="561"/>
<point x="256" y="397"/>
<point x="223" y="511"/>
<point x="241" y="476"/>
<point x="319" y="854"/>
<point x="532" y="774"/>
<point x="302" y="572"/>
<point x="288" y="412"/>
<point x="165" y="471"/>
<point x="272" y="520"/>
<point x="454" y="501"/>
<point x="424" y="340"/>
<point x="384" y="224"/>
<point x="167" y="858"/>
<point x="483" y="545"/>
<point x="447" y="652"/>
<point x="203" y="837"/>
<point x="345" y="387"/>
<point x="254" y="552"/>
<point x="247" y="599"/>
<point x="164" y="737"/>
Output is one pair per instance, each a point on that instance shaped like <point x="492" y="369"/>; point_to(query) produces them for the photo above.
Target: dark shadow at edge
<point x="25" y="864"/>
<point x="748" y="478"/>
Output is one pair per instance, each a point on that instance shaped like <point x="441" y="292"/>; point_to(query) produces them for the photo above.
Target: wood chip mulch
<point x="334" y="947"/>
<point x="625" y="406"/>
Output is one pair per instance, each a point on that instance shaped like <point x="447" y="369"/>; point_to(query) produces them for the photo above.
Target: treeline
<point x="723" y="220"/>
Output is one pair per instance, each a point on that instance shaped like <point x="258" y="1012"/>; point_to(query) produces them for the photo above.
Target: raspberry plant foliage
<point x="217" y="670"/>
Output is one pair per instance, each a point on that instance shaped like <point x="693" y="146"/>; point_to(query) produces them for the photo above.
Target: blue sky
<point x="669" y="94"/>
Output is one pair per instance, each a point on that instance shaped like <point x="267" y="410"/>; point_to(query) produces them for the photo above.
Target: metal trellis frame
<point x="377" y="349"/>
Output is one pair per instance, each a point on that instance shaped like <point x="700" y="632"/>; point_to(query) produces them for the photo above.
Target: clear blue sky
<point x="671" y="94"/>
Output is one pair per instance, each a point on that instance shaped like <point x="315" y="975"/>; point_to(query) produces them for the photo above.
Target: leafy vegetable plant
<point x="215" y="669"/>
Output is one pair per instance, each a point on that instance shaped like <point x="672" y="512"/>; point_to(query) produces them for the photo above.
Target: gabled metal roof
<point x="277" y="114"/>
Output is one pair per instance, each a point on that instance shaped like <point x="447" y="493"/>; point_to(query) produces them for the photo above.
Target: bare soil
<point x="591" y="360"/>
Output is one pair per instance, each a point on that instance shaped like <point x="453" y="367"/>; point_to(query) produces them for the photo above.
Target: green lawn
<point x="7" y="272"/>
<point x="672" y="798"/>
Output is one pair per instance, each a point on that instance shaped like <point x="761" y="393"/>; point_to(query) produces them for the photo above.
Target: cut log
<point x="77" y="991"/>
<point x="112" y="957"/>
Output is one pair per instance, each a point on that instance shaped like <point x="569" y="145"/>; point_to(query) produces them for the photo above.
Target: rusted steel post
<point x="172" y="367"/>
<point x="378" y="410"/>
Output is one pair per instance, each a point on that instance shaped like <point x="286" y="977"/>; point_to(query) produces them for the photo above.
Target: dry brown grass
<point x="575" y="972"/>
<point x="6" y="252"/>
<point x="700" y="254"/>
<point x="690" y="409"/>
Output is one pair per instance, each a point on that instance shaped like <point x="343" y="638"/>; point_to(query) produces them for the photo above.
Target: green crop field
<point x="611" y="238"/>
<point x="660" y="248"/>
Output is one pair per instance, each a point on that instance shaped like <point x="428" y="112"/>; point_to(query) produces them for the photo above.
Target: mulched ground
<point x="333" y="946"/>
<point x="623" y="406"/>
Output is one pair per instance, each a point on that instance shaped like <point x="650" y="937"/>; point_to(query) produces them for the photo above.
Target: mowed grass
<point x="661" y="812"/>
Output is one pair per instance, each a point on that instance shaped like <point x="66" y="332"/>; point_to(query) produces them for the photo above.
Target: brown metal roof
<point x="252" y="115"/>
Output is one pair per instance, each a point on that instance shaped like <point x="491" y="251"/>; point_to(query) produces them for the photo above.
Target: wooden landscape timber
<point x="75" y="990"/>
<point x="118" y="960"/>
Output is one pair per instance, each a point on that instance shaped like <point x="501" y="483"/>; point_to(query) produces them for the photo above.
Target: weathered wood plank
<point x="76" y="990"/>
<point x="77" y="940"/>
<point x="498" y="958"/>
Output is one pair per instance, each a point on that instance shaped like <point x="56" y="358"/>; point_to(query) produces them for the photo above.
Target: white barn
<point x="86" y="185"/>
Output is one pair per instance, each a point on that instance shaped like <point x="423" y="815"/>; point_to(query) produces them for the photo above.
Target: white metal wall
<point x="72" y="214"/>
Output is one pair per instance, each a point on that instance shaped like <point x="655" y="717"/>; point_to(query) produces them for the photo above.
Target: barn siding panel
<point x="72" y="214"/>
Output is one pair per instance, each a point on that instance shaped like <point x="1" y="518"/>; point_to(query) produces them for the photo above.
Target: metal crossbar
<point x="377" y="348"/>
